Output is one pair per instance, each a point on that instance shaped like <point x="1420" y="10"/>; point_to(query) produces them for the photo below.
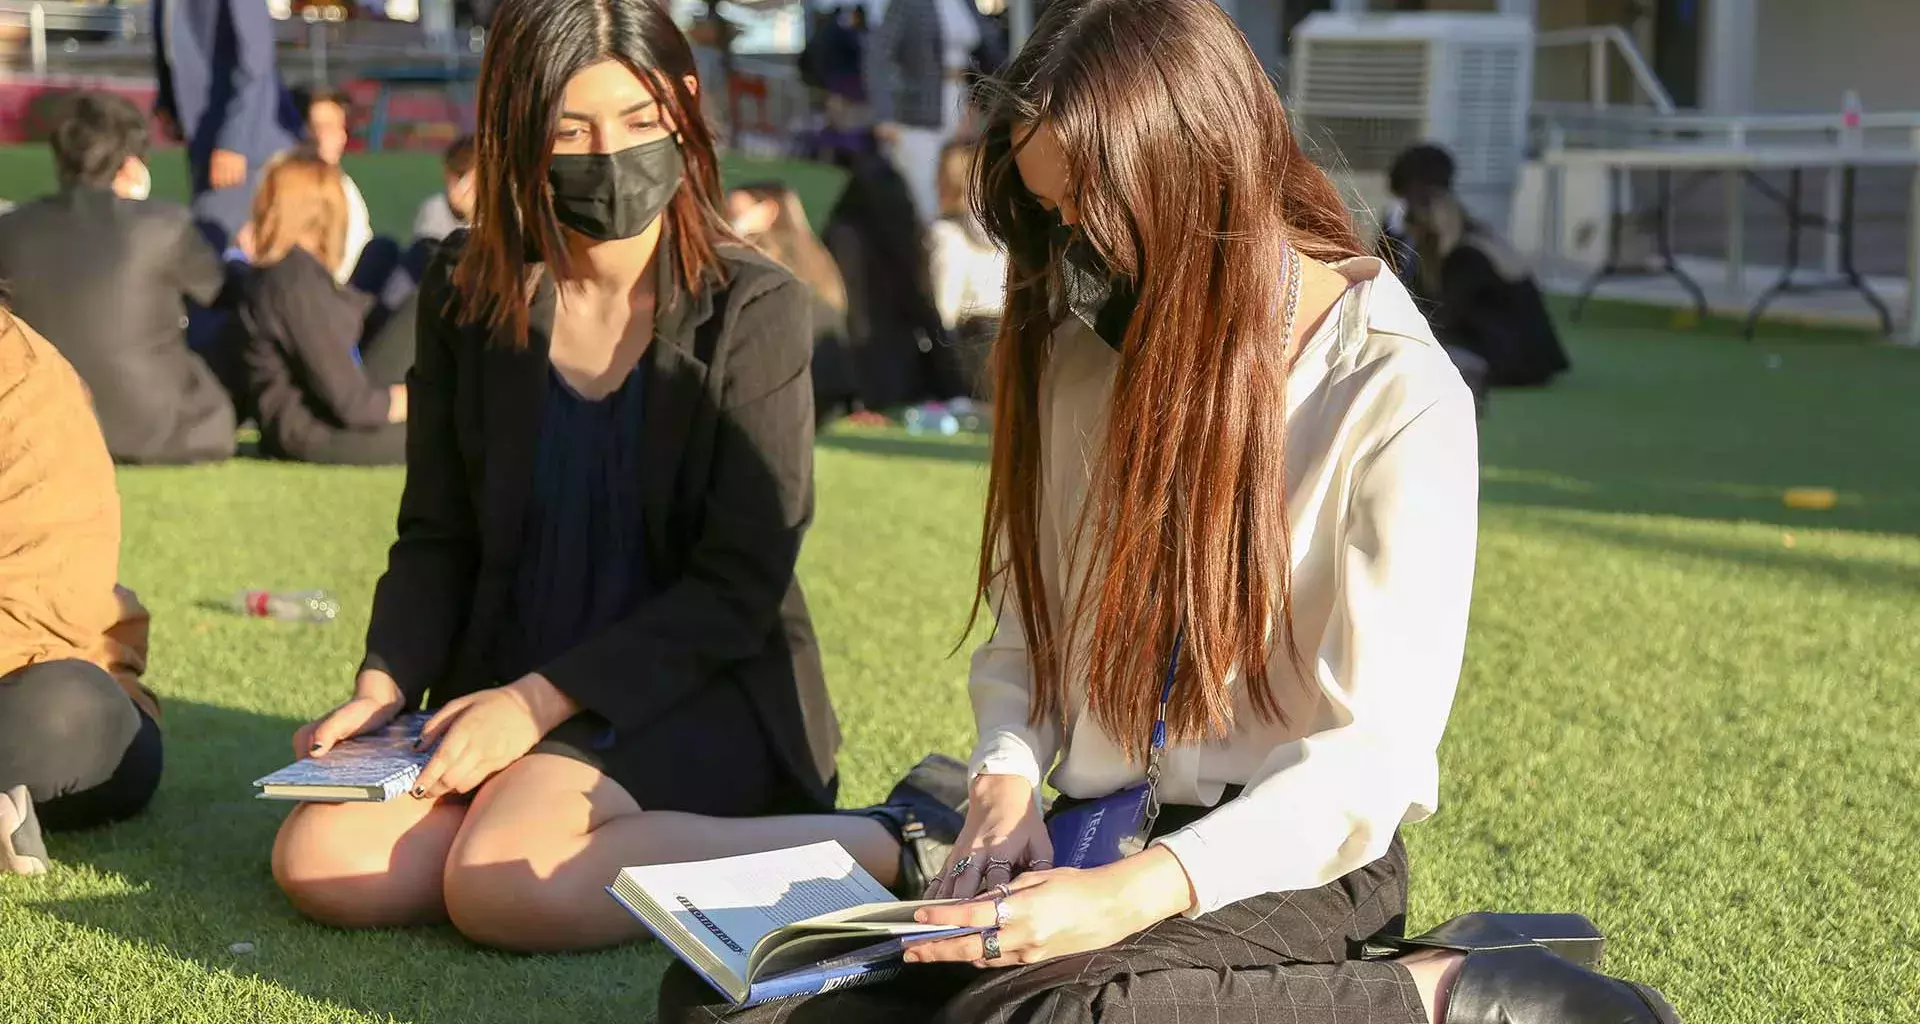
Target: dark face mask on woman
<point x="605" y="196"/>
<point x="1090" y="290"/>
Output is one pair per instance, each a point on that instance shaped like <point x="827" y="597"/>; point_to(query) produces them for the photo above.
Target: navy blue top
<point x="583" y="565"/>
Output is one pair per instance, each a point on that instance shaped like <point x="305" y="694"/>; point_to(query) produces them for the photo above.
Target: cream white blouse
<point x="1382" y="474"/>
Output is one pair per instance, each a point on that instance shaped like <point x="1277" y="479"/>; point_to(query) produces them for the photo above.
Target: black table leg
<point x="1785" y="282"/>
<point x="1611" y="265"/>
<point x="1848" y="271"/>
<point x="1663" y="237"/>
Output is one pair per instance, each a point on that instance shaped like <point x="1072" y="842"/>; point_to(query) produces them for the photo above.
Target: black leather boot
<point x="925" y="812"/>
<point x="1509" y="978"/>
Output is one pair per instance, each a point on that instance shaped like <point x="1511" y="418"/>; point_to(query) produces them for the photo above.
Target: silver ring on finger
<point x="1000" y="864"/>
<point x="990" y="943"/>
<point x="1040" y="865"/>
<point x="960" y="866"/>
<point x="1001" y="912"/>
<point x="1003" y="892"/>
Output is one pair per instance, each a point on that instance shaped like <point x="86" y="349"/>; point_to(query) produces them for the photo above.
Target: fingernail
<point x="315" y="749"/>
<point x="910" y="957"/>
<point x="419" y="794"/>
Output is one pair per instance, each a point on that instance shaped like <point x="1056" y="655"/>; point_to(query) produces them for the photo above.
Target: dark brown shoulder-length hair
<point x="533" y="48"/>
<point x="1185" y="174"/>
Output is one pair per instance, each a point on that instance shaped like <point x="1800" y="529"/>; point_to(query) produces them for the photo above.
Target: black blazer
<point x="728" y="494"/>
<point x="106" y="280"/>
<point x="297" y="330"/>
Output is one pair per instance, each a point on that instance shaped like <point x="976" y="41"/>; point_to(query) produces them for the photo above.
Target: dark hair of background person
<point x="791" y="241"/>
<point x="313" y="96"/>
<point x="95" y="137"/>
<point x="460" y="157"/>
<point x="533" y="48"/>
<point x="1189" y="181"/>
<point x="1424" y="167"/>
<point x="879" y="204"/>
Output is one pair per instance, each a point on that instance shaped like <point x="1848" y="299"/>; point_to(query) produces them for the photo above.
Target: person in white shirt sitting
<point x="1230" y="522"/>
<point x="451" y="208"/>
<point x="968" y="269"/>
<point x="328" y="111"/>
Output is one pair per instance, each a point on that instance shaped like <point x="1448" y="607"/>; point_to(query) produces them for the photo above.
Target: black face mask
<point x="605" y="196"/>
<point x="1090" y="290"/>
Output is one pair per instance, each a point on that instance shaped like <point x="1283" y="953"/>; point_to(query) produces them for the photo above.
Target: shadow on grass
<point x="1884" y="512"/>
<point x="1825" y="567"/>
<point x="1668" y="420"/>
<point x="940" y="449"/>
<point x="190" y="877"/>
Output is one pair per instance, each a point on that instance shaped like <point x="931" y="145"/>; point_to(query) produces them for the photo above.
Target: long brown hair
<point x="533" y="48"/>
<point x="1187" y="178"/>
<point x="791" y="241"/>
<point x="302" y="202"/>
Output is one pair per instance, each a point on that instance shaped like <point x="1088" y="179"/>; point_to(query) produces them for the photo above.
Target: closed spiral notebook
<point x="372" y="768"/>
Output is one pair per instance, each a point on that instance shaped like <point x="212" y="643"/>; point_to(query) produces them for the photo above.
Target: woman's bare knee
<point x="364" y="866"/>
<point x="523" y="875"/>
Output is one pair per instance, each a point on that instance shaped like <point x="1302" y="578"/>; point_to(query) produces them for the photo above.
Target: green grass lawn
<point x="1688" y="711"/>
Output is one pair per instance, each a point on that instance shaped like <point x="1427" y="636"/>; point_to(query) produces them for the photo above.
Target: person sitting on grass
<point x="768" y="215"/>
<point x="1230" y="527"/>
<point x="321" y="394"/>
<point x="609" y="473"/>
<point x="451" y="208"/>
<point x="106" y="273"/>
<point x="968" y="270"/>
<point x="79" y="735"/>
<point x="1482" y="295"/>
<point x="329" y="114"/>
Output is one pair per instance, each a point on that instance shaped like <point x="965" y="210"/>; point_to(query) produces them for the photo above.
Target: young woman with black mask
<point x="609" y="470"/>
<point x="1229" y="543"/>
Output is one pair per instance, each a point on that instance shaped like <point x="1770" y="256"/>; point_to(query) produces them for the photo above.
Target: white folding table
<point x="1746" y="161"/>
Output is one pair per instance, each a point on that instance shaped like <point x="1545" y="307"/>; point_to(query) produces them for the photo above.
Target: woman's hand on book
<point x="376" y="699"/>
<point x="1004" y="834"/>
<point x="1063" y="911"/>
<point x="481" y="733"/>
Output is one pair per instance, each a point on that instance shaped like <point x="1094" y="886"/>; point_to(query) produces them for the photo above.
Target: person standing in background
<point x="917" y="63"/>
<point x="220" y="94"/>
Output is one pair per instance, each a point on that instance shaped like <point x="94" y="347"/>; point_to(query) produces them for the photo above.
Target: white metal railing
<point x="56" y="16"/>
<point x="1602" y="42"/>
<point x="1577" y="125"/>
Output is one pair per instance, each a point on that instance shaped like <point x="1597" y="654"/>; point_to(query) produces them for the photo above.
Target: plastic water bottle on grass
<point x="931" y="418"/>
<point x="299" y="606"/>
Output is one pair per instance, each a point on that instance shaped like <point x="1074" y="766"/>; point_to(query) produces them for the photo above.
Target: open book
<point x="378" y="766"/>
<point x="771" y="925"/>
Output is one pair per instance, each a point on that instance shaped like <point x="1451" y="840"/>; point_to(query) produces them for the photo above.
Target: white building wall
<point x="1809" y="52"/>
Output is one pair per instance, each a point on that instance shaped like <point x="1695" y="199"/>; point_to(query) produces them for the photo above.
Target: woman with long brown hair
<point x="609" y="471"/>
<point x="322" y="389"/>
<point x="768" y="215"/>
<point x="1229" y="544"/>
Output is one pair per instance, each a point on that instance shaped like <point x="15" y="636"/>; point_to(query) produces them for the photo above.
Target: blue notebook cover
<point x="874" y="963"/>
<point x="382" y="764"/>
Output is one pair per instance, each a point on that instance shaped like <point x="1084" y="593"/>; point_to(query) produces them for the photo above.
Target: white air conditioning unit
<point x="1367" y="86"/>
